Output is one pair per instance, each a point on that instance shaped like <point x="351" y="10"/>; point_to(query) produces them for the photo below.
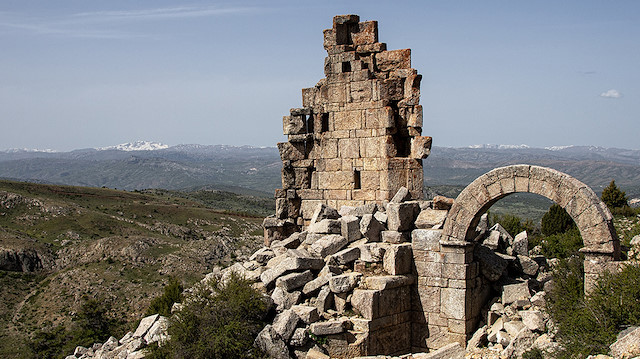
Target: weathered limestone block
<point x="345" y="282"/>
<point x="429" y="218"/>
<point x="328" y="328"/>
<point x="441" y="202"/>
<point x="513" y="327"/>
<point x="350" y="228"/>
<point x="290" y="264"/>
<point x="293" y="281"/>
<point x="628" y="343"/>
<point x="520" y="343"/>
<point x="325" y="226"/>
<point x="322" y="211"/>
<point x="449" y="351"/>
<point x="315" y="285"/>
<point x="291" y="151"/>
<point x="299" y="337"/>
<point x="262" y="255"/>
<point x="327" y="245"/>
<point x="401" y="196"/>
<point x="365" y="302"/>
<point x="388" y="281"/>
<point x="532" y="319"/>
<point x="398" y="259"/>
<point x="372" y="252"/>
<point x="521" y="244"/>
<point x="283" y="299"/>
<point x="306" y="313"/>
<point x="370" y="228"/>
<point x="478" y="339"/>
<point x="293" y="125"/>
<point x="513" y="292"/>
<point x="393" y="59"/>
<point x="347" y="255"/>
<point x="426" y="239"/>
<point x="401" y="216"/>
<point x="157" y="332"/>
<point x="270" y="342"/>
<point x="421" y="147"/>
<point x="145" y="324"/>
<point x="528" y="265"/>
<point x="324" y="301"/>
<point x="492" y="266"/>
<point x="285" y="323"/>
<point x="395" y="237"/>
<point x="381" y="217"/>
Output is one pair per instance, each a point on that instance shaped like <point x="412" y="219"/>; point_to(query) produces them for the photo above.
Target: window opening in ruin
<point x="356" y="180"/>
<point x="401" y="138"/>
<point x="324" y="122"/>
<point x="309" y="123"/>
<point x="346" y="66"/>
<point x="343" y="33"/>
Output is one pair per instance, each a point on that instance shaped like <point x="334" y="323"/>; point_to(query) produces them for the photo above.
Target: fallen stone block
<point x="397" y="259"/>
<point x="513" y="292"/>
<point x="381" y="217"/>
<point x="285" y="323"/>
<point x="316" y="354"/>
<point x="513" y="327"/>
<point x="426" y="239"/>
<point x="324" y="212"/>
<point x="145" y="324"/>
<point x="306" y="313"/>
<point x="325" y="226"/>
<point x="270" y="342"/>
<point x="371" y="252"/>
<point x="350" y="228"/>
<point x="401" y="216"/>
<point x="538" y="299"/>
<point x="346" y="255"/>
<point x="293" y="281"/>
<point x="441" y="202"/>
<point x="478" y="339"/>
<point x="533" y="319"/>
<point x="158" y="331"/>
<point x="344" y="282"/>
<point x="283" y="299"/>
<point x="300" y="337"/>
<point x="324" y="301"/>
<point x="327" y="245"/>
<point x="369" y="208"/>
<point x="519" y="344"/>
<point x="315" y="284"/>
<point x="428" y="218"/>
<point x="401" y="196"/>
<point x="327" y="328"/>
<point x="262" y="255"/>
<point x="521" y="244"/>
<point x="370" y="228"/>
<point x="627" y="344"/>
<point x="394" y="237"/>
<point x="528" y="265"/>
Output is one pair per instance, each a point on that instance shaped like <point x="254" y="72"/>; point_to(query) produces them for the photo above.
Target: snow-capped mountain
<point x="499" y="147"/>
<point x="136" y="146"/>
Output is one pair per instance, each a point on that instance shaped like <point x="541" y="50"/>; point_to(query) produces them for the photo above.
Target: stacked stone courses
<point x="356" y="139"/>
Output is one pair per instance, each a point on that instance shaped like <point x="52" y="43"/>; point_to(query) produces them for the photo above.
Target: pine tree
<point x="613" y="197"/>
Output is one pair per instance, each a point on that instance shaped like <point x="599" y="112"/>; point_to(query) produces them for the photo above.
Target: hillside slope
<point x="62" y="245"/>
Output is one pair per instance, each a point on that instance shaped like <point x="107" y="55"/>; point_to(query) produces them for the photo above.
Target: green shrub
<point x="162" y="305"/>
<point x="555" y="221"/>
<point x="220" y="321"/>
<point x="587" y="326"/>
<point x="92" y="324"/>
<point x="562" y="245"/>
<point x="613" y="197"/>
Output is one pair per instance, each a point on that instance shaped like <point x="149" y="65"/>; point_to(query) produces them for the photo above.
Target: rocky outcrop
<point x="21" y="260"/>
<point x="152" y="329"/>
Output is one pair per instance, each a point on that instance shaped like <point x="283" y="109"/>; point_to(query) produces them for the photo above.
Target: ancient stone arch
<point x="591" y="215"/>
<point x="448" y="270"/>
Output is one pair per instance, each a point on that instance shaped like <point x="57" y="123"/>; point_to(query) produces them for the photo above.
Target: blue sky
<point x="77" y="74"/>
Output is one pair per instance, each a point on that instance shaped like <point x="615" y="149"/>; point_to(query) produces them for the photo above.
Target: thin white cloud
<point x="611" y="94"/>
<point x="158" y="13"/>
<point x="79" y="24"/>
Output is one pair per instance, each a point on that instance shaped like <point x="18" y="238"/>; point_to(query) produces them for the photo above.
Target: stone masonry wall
<point x="356" y="140"/>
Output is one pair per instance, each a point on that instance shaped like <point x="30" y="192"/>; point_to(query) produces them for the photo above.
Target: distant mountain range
<point x="144" y="164"/>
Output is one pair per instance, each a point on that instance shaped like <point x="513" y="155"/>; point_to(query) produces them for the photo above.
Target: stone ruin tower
<point x="357" y="137"/>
